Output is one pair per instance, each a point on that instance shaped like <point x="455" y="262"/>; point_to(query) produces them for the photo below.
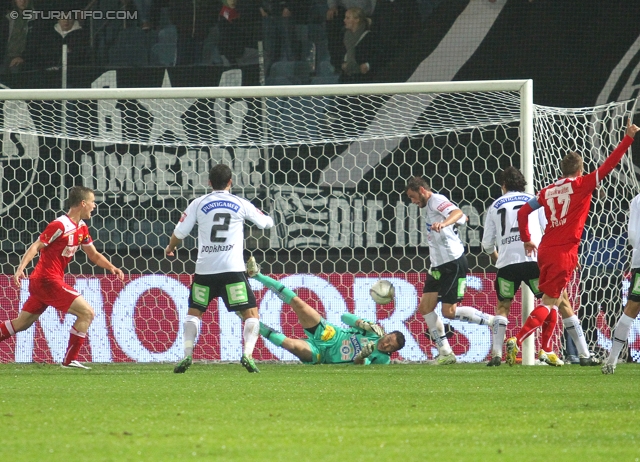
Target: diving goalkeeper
<point x="363" y="343"/>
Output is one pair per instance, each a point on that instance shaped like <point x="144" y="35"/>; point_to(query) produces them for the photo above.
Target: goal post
<point x="328" y="162"/>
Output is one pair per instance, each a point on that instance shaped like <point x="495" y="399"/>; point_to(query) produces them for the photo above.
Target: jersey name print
<point x="501" y="228"/>
<point x="559" y="199"/>
<point x="220" y="217"/>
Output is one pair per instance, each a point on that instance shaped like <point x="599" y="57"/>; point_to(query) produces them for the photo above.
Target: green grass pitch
<point x="464" y="412"/>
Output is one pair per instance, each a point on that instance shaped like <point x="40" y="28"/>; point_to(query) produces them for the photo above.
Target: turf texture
<point x="463" y="412"/>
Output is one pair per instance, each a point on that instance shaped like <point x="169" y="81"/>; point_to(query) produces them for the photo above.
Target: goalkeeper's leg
<point x="284" y="293"/>
<point x="297" y="347"/>
<point x="307" y="316"/>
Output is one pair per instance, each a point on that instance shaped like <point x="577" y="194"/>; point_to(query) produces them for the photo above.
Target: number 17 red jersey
<point x="566" y="202"/>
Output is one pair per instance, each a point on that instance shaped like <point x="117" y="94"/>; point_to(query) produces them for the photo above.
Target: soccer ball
<point x="382" y="292"/>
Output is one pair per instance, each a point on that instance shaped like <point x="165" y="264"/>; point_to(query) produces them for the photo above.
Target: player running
<point x="566" y="204"/>
<point x="364" y="343"/>
<point x="623" y="327"/>
<point x="57" y="245"/>
<point x="447" y="278"/>
<point x="220" y="269"/>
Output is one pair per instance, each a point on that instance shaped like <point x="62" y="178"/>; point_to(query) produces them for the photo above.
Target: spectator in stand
<point x="231" y="31"/>
<point x="144" y="8"/>
<point x="310" y="42"/>
<point x="336" y="9"/>
<point x="44" y="47"/>
<point x="395" y="24"/>
<point x="360" y="58"/>
<point x="13" y="33"/>
<point x="193" y="20"/>
<point x="276" y="31"/>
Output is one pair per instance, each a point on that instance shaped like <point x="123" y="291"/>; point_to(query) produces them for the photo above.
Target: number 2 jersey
<point x="220" y="217"/>
<point x="501" y="228"/>
<point x="566" y="204"/>
<point x="62" y="238"/>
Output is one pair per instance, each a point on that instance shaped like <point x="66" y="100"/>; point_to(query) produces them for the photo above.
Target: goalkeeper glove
<point x="371" y="327"/>
<point x="366" y="350"/>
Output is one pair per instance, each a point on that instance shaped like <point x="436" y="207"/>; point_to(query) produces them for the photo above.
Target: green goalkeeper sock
<point x="277" y="338"/>
<point x="284" y="293"/>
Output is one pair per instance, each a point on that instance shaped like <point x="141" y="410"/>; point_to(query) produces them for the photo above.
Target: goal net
<point x="330" y="165"/>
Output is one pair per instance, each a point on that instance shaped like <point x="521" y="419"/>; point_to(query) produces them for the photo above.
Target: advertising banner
<point x="141" y="318"/>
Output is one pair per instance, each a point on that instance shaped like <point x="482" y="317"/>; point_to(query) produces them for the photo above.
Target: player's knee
<point x="449" y="312"/>
<point x="87" y="314"/>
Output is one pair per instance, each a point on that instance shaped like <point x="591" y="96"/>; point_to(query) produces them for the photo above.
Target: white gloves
<point x="371" y="327"/>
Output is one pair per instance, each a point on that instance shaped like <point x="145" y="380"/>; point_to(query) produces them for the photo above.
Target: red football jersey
<point x="566" y="203"/>
<point x="62" y="238"/>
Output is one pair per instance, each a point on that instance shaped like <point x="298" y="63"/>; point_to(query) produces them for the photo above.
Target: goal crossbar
<point x="521" y="86"/>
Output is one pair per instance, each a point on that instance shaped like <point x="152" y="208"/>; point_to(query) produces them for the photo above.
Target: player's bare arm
<point x="174" y="242"/>
<point x="103" y="262"/>
<point x="454" y="216"/>
<point x="29" y="255"/>
<point x="632" y="129"/>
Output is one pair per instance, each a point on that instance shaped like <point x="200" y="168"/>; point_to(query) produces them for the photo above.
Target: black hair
<point x="219" y="176"/>
<point x="415" y="183"/>
<point x="512" y="179"/>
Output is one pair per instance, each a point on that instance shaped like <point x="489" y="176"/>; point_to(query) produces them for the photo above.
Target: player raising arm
<point x="220" y="269"/>
<point x="56" y="245"/>
<point x="623" y="327"/>
<point x="363" y="343"/>
<point x="566" y="204"/>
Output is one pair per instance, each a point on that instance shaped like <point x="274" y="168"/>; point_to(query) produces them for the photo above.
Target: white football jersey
<point x="501" y="228"/>
<point x="446" y="245"/>
<point x="220" y="217"/>
<point x="634" y="231"/>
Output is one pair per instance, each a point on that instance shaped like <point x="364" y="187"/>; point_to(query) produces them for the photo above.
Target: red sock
<point x="548" y="328"/>
<point x="76" y="340"/>
<point x="6" y="330"/>
<point x="535" y="320"/>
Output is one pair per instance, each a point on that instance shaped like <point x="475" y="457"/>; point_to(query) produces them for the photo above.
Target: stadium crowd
<point x="338" y="40"/>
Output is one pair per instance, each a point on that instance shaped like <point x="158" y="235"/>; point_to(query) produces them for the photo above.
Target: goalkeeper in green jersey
<point x="363" y="343"/>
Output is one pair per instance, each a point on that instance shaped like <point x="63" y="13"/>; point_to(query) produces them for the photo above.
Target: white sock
<point x="572" y="324"/>
<point x="619" y="337"/>
<point x="251" y="334"/>
<point x="191" y="328"/>
<point x="499" y="331"/>
<point x="436" y="329"/>
<point x="468" y="314"/>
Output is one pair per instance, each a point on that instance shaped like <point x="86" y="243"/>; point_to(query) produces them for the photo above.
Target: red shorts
<point x="556" y="265"/>
<point x="49" y="292"/>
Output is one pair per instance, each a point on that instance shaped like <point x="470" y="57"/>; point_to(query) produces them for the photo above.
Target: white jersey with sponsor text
<point x="220" y="217"/>
<point x="446" y="245"/>
<point x="501" y="228"/>
<point x="634" y="231"/>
